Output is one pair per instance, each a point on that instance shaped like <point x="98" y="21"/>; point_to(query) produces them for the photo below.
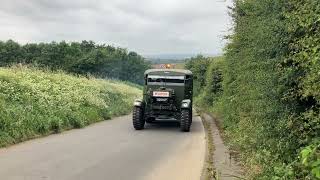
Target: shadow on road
<point x="162" y="125"/>
<point x="170" y="126"/>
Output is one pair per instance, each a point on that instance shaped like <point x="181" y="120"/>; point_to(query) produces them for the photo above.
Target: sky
<point x="145" y="26"/>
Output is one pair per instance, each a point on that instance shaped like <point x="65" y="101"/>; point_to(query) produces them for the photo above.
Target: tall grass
<point x="36" y="103"/>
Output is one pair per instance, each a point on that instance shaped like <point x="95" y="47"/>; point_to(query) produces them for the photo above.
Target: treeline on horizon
<point x="86" y="57"/>
<point x="266" y="88"/>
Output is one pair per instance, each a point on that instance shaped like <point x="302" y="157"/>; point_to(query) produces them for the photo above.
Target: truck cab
<point x="167" y="94"/>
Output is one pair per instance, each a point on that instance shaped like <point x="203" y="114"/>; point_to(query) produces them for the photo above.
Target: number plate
<point x="160" y="94"/>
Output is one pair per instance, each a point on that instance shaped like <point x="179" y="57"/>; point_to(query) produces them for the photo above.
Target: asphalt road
<point x="109" y="150"/>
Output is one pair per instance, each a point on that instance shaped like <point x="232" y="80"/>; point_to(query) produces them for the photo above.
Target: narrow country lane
<point x="109" y="150"/>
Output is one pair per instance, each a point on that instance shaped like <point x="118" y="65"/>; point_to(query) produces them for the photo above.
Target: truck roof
<point x="168" y="71"/>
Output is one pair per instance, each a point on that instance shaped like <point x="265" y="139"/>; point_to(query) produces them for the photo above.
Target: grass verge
<point x="209" y="170"/>
<point x="36" y="103"/>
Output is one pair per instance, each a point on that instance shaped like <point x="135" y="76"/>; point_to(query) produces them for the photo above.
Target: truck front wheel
<point x="185" y="120"/>
<point x="137" y="118"/>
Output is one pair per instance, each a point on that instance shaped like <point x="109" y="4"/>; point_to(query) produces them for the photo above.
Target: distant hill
<point x="171" y="58"/>
<point x="166" y="61"/>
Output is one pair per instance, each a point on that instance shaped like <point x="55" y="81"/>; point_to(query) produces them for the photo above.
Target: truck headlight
<point x="185" y="105"/>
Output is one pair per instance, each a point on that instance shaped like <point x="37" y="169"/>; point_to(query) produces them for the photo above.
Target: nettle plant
<point x="310" y="158"/>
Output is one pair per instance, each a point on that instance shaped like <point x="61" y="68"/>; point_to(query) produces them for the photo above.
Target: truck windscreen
<point x="152" y="79"/>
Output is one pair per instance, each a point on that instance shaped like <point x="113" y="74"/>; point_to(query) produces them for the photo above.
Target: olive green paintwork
<point x="178" y="92"/>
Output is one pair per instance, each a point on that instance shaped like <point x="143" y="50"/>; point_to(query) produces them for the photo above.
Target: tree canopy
<point x="83" y="58"/>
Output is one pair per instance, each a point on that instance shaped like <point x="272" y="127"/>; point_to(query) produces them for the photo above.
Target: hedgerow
<point x="86" y="57"/>
<point x="35" y="103"/>
<point x="270" y="95"/>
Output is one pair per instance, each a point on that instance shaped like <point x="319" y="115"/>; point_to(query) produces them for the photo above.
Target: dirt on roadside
<point x="224" y="166"/>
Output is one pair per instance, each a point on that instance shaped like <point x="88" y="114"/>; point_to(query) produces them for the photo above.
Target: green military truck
<point x="167" y="95"/>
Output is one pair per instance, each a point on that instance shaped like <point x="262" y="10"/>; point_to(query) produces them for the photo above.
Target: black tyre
<point x="137" y="118"/>
<point x="185" y="120"/>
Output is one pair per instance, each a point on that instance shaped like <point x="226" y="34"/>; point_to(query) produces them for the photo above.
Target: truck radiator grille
<point x="163" y="107"/>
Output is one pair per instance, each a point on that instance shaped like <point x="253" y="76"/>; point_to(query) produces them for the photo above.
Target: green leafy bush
<point x="270" y="96"/>
<point x="198" y="65"/>
<point x="35" y="103"/>
<point x="310" y="158"/>
<point x="209" y="72"/>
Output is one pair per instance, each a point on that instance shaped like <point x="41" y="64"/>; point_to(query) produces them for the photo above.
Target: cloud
<point x="146" y="26"/>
